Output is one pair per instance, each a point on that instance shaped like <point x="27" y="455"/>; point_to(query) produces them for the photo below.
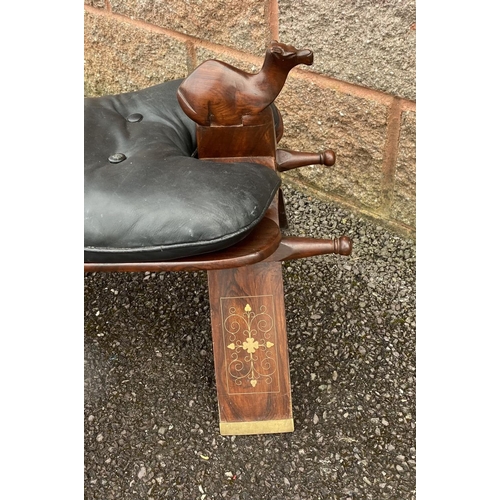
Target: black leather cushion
<point x="161" y="203"/>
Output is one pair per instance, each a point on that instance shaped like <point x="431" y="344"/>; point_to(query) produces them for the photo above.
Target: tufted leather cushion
<point x="160" y="202"/>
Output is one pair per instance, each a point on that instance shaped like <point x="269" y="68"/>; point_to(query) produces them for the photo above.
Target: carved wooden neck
<point x="272" y="76"/>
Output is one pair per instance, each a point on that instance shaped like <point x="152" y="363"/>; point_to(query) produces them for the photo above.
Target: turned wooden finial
<point x="218" y="94"/>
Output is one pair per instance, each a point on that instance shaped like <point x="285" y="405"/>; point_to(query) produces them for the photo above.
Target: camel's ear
<point x="276" y="49"/>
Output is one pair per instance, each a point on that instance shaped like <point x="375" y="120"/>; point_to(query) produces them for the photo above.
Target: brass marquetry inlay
<point x="250" y="337"/>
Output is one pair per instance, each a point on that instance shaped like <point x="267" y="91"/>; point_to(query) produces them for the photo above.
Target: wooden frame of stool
<point x="245" y="282"/>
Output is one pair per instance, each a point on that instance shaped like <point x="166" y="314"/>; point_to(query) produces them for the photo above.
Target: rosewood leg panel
<point x="251" y="349"/>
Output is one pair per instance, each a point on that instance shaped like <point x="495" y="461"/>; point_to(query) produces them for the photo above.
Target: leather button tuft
<point x="134" y="118"/>
<point x="117" y="158"/>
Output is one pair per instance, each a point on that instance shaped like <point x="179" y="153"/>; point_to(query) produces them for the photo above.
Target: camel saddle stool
<point x="184" y="176"/>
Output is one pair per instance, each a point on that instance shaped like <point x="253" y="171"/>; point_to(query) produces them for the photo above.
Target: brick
<point x="240" y="24"/>
<point x="100" y="4"/>
<point x="369" y="43"/>
<point x="318" y="118"/>
<point x="122" y="58"/>
<point x="203" y="54"/>
<point x="404" y="199"/>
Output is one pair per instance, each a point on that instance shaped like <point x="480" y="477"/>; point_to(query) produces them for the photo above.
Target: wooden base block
<point x="257" y="139"/>
<point x="250" y="349"/>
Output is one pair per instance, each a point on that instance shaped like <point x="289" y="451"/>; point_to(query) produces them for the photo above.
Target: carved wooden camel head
<point x="218" y="94"/>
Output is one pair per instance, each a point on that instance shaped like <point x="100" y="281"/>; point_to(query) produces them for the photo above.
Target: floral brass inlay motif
<point x="249" y="336"/>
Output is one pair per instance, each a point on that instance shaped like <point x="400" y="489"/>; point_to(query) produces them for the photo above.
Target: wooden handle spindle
<point x="298" y="247"/>
<point x="287" y="159"/>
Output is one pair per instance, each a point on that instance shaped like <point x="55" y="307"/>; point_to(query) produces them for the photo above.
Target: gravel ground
<point x="151" y="420"/>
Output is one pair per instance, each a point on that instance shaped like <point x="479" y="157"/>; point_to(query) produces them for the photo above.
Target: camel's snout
<point x="305" y="56"/>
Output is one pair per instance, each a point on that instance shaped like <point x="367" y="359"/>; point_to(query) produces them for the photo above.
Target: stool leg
<point x="250" y="349"/>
